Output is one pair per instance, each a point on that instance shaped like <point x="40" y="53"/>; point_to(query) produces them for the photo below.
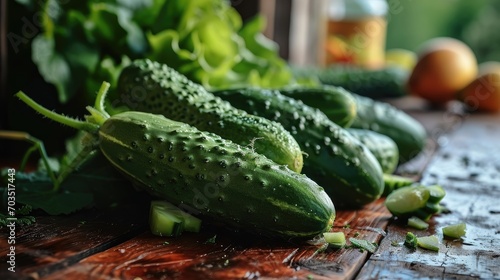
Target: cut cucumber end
<point x="437" y="193"/>
<point x="163" y="223"/>
<point x="168" y="220"/>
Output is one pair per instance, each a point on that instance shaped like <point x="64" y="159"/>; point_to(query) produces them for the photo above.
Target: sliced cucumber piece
<point x="430" y="242"/>
<point x="335" y="239"/>
<point x="455" y="230"/>
<point x="393" y="182"/>
<point x="416" y="222"/>
<point x="437" y="193"/>
<point x="168" y="220"/>
<point x="404" y="201"/>
<point x="164" y="223"/>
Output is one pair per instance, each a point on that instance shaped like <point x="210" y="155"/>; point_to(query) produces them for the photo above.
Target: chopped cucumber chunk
<point x="407" y="199"/>
<point x="430" y="242"/>
<point x="455" y="230"/>
<point x="168" y="220"/>
<point x="416" y="222"/>
<point x="335" y="239"/>
<point x="415" y="200"/>
<point x="163" y="223"/>
<point x="393" y="182"/>
<point x="191" y="223"/>
<point x="437" y="193"/>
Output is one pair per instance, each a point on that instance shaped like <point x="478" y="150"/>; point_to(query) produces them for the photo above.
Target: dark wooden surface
<point x="463" y="155"/>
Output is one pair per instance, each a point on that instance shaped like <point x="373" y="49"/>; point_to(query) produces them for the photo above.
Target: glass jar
<point x="356" y="32"/>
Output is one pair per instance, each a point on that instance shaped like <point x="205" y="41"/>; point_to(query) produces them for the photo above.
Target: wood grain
<point x="55" y="242"/>
<point x="233" y="255"/>
<point x="467" y="165"/>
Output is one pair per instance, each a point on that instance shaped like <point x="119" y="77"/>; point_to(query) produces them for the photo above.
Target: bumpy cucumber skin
<point x="336" y="160"/>
<point x="382" y="147"/>
<point x="373" y="83"/>
<point x="408" y="134"/>
<point x="156" y="88"/>
<point x="223" y="181"/>
<point x="340" y="105"/>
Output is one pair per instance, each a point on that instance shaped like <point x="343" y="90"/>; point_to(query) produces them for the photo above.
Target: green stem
<point x="96" y="116"/>
<point x="80" y="125"/>
<point x="47" y="23"/>
<point x="101" y="95"/>
<point x="37" y="145"/>
<point x="44" y="157"/>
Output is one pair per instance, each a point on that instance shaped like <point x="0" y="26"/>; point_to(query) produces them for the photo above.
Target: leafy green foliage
<point x="22" y="216"/>
<point x="206" y="40"/>
<point x="95" y="184"/>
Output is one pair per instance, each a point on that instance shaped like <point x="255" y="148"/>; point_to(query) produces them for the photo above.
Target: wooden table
<point x="463" y="155"/>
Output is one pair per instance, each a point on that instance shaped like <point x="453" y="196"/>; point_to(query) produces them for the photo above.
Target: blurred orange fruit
<point x="444" y="66"/>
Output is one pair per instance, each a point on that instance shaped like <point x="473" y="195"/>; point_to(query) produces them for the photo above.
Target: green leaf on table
<point x="363" y="244"/>
<point x="55" y="203"/>
<point x="95" y="184"/>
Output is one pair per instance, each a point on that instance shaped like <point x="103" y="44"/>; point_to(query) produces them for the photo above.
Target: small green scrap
<point x="395" y="243"/>
<point x="363" y="244"/>
<point x="410" y="240"/>
<point x="211" y="240"/>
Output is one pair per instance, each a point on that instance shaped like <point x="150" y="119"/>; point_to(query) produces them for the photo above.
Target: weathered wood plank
<point x="233" y="256"/>
<point x="55" y="242"/>
<point x="468" y="167"/>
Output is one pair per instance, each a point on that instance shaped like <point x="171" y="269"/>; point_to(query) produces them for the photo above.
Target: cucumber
<point x="382" y="147"/>
<point x="156" y="88"/>
<point x="408" y="134"/>
<point x="220" y="179"/>
<point x="335" y="159"/>
<point x="216" y="179"/>
<point x="374" y="83"/>
<point x="341" y="108"/>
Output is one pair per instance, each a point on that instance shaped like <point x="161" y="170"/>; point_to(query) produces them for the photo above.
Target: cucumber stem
<point x="76" y="124"/>
<point x="101" y="96"/>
